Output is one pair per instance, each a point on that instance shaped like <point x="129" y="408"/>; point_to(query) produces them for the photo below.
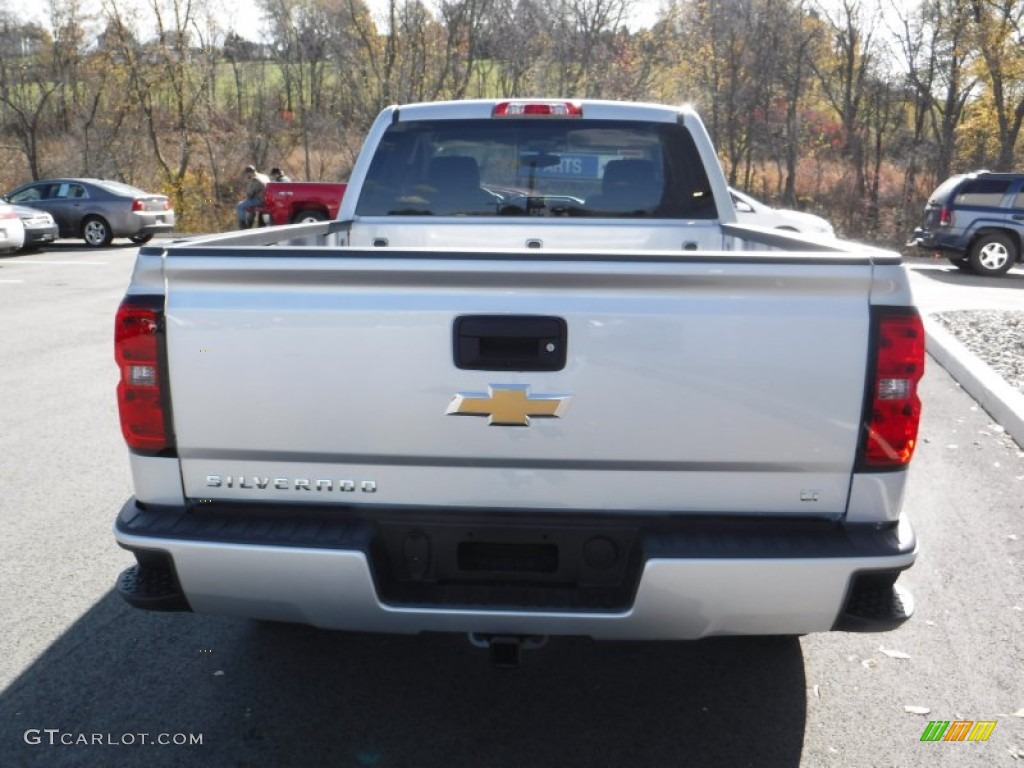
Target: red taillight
<point x="140" y="398"/>
<point x="8" y="215"/>
<point x="138" y="205"/>
<point x="894" y="410"/>
<point x="537" y="109"/>
<point x="946" y="217"/>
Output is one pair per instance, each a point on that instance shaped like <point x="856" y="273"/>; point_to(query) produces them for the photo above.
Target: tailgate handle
<point x="509" y="343"/>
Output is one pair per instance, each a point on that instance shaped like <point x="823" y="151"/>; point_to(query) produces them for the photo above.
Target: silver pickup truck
<point x="533" y="380"/>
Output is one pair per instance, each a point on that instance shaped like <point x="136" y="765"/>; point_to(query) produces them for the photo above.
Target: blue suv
<point x="976" y="220"/>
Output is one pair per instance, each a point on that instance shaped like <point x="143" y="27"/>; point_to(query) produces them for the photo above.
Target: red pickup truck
<point x="295" y="202"/>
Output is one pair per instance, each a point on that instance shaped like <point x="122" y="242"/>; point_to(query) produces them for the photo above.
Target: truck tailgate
<point x="718" y="383"/>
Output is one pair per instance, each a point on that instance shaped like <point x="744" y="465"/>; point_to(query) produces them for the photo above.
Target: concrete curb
<point x="1003" y="403"/>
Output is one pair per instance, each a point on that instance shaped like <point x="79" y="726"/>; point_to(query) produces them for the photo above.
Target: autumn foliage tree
<point x="853" y="108"/>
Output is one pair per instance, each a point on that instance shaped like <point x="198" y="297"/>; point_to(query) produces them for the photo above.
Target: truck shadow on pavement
<point x="279" y="695"/>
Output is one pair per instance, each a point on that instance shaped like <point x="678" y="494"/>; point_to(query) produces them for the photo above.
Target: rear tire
<point x="308" y="216"/>
<point x="993" y="254"/>
<point x="96" y="232"/>
<point x="141" y="239"/>
<point x="962" y="264"/>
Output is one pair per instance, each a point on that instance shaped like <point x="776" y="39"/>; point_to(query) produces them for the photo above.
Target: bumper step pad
<point x="152" y="589"/>
<point x="874" y="607"/>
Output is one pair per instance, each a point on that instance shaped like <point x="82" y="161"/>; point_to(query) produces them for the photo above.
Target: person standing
<point x="256" y="184"/>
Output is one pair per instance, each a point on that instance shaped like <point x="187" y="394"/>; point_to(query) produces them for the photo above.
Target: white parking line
<point x="12" y="281"/>
<point x="74" y="263"/>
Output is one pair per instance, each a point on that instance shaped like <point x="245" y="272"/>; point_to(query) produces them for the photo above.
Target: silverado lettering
<point x="283" y="484"/>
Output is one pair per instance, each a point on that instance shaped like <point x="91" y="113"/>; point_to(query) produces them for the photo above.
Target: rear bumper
<point x="679" y="578"/>
<point x="40" y="235"/>
<point x="930" y="240"/>
<point x="152" y="223"/>
<point x="155" y="228"/>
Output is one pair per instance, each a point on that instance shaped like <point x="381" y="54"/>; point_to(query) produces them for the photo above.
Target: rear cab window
<point x="541" y="168"/>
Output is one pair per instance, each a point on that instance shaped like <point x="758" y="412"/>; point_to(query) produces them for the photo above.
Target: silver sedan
<point x="98" y="210"/>
<point x="40" y="227"/>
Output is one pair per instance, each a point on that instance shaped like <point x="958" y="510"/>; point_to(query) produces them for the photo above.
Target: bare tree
<point x="844" y="78"/>
<point x="1001" y="42"/>
<point x="804" y="36"/>
<point x="516" y="40"/>
<point x="165" y="87"/>
<point x="464" y="21"/>
<point x="26" y="88"/>
<point x="935" y="45"/>
<point x="582" y="45"/>
<point x="299" y="33"/>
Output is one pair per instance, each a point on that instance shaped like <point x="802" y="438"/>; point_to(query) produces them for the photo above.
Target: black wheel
<point x="96" y="232"/>
<point x="141" y="239"/>
<point x="962" y="264"/>
<point x="308" y="216"/>
<point x="993" y="254"/>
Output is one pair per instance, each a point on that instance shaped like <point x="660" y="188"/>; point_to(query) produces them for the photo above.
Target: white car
<point x="751" y="211"/>
<point x="12" y="231"/>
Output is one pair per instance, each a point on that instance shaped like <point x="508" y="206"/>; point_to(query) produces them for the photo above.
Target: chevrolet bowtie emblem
<point x="508" y="405"/>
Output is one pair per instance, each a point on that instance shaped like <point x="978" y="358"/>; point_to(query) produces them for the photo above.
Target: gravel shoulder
<point x="996" y="337"/>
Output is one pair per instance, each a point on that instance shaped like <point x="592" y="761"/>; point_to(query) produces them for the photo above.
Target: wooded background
<point x="853" y="109"/>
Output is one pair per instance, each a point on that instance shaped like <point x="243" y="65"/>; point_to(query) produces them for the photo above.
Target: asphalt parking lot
<point x="78" y="662"/>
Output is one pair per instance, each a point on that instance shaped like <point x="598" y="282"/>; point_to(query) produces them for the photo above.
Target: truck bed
<point x="723" y="382"/>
